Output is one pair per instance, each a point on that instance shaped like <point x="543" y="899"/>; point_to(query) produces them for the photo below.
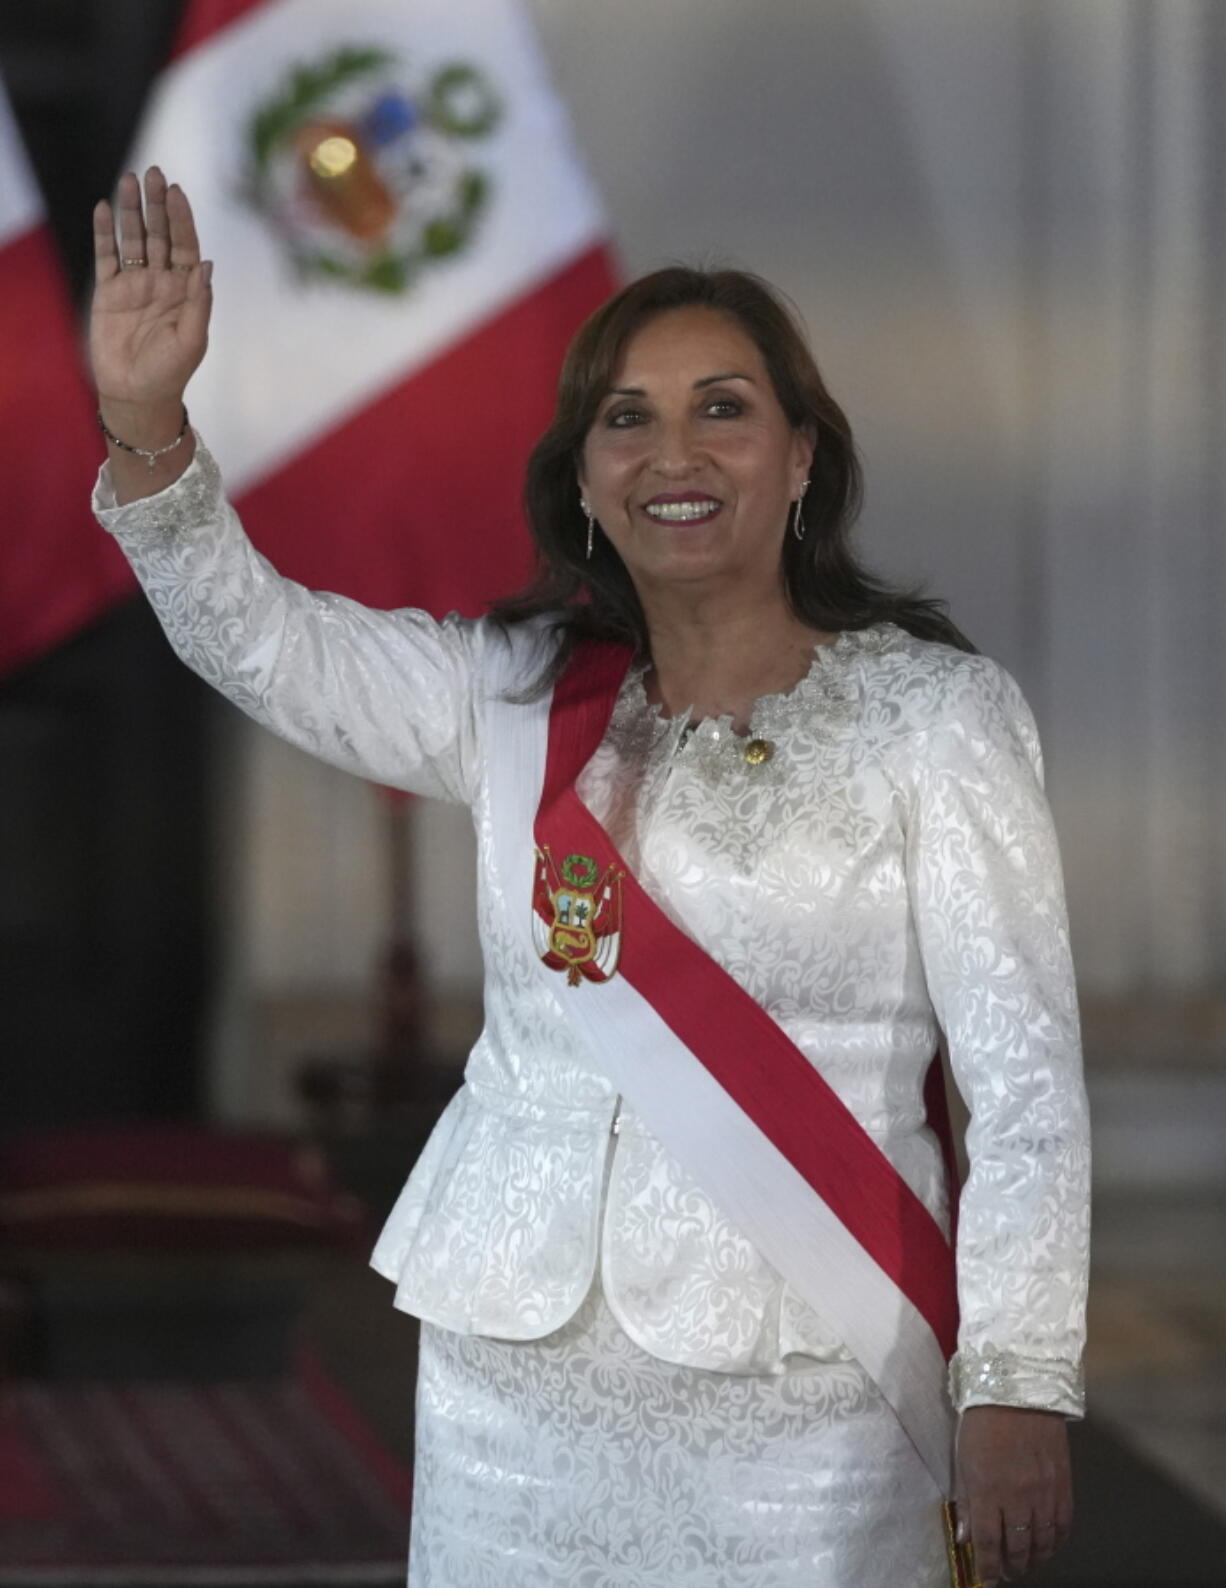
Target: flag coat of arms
<point x="56" y="571"/>
<point x="405" y="241"/>
<point x="577" y="915"/>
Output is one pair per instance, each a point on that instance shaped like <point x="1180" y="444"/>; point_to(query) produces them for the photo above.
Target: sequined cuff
<point x="1003" y="1378"/>
<point x="194" y="498"/>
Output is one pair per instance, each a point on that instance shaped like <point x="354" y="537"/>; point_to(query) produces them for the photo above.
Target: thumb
<point x="961" y="1504"/>
<point x="962" y="1524"/>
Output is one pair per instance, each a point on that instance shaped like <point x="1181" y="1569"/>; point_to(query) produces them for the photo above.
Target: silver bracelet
<point x="143" y="452"/>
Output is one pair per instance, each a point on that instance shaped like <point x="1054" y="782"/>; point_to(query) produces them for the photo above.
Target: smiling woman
<point x="681" y="1243"/>
<point x="747" y="367"/>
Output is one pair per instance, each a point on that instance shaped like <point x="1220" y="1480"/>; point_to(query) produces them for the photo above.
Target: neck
<point x="718" y="654"/>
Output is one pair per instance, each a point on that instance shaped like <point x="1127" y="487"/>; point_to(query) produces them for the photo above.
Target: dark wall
<point x="77" y="72"/>
<point x="104" y="893"/>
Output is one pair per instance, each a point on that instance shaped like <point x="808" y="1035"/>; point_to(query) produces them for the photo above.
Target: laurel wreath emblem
<point x="581" y="871"/>
<point x="410" y="195"/>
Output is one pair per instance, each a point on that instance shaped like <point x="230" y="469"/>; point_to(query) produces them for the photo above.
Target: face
<point x="691" y="466"/>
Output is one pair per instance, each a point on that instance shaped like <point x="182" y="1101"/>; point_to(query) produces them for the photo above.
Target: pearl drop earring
<point x="591" y="525"/>
<point x="798" y="523"/>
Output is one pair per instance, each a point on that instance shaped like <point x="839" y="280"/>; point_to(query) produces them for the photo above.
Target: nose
<point x="676" y="453"/>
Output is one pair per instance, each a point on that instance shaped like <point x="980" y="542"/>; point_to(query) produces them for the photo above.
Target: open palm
<point x="152" y="299"/>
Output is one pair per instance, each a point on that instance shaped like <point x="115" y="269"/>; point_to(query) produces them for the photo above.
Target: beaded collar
<point x="825" y="696"/>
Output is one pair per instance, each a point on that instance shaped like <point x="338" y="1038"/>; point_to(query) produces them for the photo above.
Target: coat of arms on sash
<point x="577" y="916"/>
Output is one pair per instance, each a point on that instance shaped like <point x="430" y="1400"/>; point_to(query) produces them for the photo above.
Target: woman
<point x="749" y="827"/>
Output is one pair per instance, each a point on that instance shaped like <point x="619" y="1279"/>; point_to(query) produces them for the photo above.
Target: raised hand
<point x="149" y="326"/>
<point x="148" y="330"/>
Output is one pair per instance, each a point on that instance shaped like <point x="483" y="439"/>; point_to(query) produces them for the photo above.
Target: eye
<point x="725" y="407"/>
<point x="624" y="418"/>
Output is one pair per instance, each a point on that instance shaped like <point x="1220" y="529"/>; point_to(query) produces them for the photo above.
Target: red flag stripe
<point x="58" y="571"/>
<point x="755" y="1062"/>
<point x="204" y="18"/>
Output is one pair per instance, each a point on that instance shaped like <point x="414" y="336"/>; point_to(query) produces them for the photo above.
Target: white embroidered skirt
<point x="578" y="1459"/>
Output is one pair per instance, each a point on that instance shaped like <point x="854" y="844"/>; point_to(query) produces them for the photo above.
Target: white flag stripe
<point x="20" y="205"/>
<point x="325" y="351"/>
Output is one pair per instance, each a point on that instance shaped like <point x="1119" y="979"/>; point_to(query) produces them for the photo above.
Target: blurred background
<point x="235" y="975"/>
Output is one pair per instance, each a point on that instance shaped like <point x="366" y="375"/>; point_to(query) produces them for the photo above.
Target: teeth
<point x="679" y="512"/>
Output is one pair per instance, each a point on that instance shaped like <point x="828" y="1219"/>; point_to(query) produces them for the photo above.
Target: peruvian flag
<point x="56" y="571"/>
<point x="405" y="243"/>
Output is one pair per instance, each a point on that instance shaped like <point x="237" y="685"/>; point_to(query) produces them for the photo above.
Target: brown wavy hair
<point x="826" y="587"/>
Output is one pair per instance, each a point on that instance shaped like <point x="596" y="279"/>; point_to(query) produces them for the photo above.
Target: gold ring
<point x="132" y="264"/>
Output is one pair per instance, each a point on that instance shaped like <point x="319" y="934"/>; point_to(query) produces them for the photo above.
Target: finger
<point x="1017" y="1537"/>
<point x="1044" y="1542"/>
<point x="184" y="244"/>
<point x="131" y="220"/>
<point x="198" y="305"/>
<point x="157" y="231"/>
<point x="1064" y="1511"/>
<point x="106" y="255"/>
<point x="986" y="1540"/>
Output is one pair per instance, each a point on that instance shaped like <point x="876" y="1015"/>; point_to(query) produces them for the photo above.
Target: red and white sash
<point x="713" y="1078"/>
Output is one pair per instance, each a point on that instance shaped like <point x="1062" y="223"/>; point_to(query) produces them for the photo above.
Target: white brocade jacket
<point x="889" y="874"/>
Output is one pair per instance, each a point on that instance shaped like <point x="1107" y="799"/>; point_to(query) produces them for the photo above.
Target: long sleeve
<point x="986" y="890"/>
<point x="387" y="695"/>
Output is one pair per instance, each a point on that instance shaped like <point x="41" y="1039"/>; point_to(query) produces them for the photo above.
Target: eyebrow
<point x="707" y="380"/>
